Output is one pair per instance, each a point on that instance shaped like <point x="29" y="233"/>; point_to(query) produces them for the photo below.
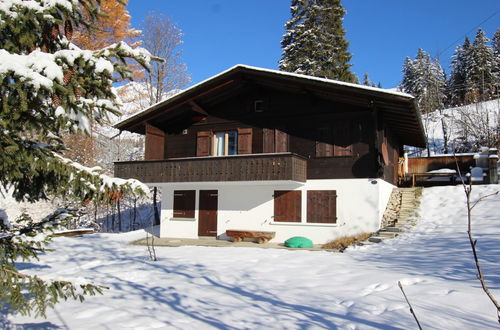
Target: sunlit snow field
<point x="252" y="288"/>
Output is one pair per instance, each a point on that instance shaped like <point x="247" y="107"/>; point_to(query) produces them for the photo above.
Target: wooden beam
<point x="197" y="108"/>
<point x="156" y="113"/>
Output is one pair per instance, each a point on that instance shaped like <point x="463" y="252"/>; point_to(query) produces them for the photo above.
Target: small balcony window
<point x="225" y="143"/>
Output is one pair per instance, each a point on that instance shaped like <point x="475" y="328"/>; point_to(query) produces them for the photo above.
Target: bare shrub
<point x="342" y="243"/>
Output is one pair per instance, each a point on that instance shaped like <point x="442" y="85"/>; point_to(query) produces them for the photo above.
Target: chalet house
<point x="258" y="149"/>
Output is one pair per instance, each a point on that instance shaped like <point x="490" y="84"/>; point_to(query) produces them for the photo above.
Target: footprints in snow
<point x="379" y="287"/>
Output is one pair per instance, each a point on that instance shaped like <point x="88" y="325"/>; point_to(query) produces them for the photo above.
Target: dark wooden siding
<point x="299" y="117"/>
<point x="253" y="167"/>
<point x="155" y="143"/>
<point x="390" y="156"/>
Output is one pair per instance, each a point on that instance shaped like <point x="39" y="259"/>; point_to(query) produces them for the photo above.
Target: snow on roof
<point x="283" y="73"/>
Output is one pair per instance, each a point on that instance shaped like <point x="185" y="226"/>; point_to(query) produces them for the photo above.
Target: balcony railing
<point x="255" y="167"/>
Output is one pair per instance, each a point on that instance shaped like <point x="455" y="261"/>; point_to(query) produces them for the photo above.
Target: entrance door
<point x="207" y="221"/>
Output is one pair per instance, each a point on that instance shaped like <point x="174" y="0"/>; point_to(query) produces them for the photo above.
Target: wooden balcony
<point x="255" y="167"/>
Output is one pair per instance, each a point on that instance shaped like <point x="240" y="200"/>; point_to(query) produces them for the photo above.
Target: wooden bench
<point x="449" y="176"/>
<point x="261" y="236"/>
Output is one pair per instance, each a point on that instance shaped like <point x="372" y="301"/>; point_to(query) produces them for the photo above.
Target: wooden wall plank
<point x="154" y="144"/>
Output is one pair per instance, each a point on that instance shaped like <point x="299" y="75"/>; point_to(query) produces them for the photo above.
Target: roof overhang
<point x="398" y="109"/>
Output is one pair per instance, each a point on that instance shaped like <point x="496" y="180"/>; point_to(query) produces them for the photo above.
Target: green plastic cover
<point x="299" y="242"/>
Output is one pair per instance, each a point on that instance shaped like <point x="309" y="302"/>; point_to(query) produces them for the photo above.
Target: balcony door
<point x="207" y="219"/>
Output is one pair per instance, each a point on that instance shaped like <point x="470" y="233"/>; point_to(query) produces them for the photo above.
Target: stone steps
<point x="401" y="213"/>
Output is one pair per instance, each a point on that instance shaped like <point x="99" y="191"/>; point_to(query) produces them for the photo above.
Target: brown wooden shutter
<point x="244" y="141"/>
<point x="268" y="140"/>
<point x="287" y="205"/>
<point x="155" y="143"/>
<point x="322" y="206"/>
<point x="184" y="203"/>
<point x="324" y="147"/>
<point x="203" y="143"/>
<point x="342" y="138"/>
<point x="281" y="141"/>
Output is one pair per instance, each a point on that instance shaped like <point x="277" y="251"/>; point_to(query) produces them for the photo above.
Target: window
<point x="225" y="143"/>
<point x="322" y="206"/>
<point x="287" y="205"/>
<point x="184" y="203"/>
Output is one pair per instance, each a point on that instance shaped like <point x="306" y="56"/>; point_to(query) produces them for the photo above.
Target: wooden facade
<point x="322" y="132"/>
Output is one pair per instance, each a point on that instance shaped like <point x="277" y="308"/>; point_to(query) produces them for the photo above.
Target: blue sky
<point x="221" y="33"/>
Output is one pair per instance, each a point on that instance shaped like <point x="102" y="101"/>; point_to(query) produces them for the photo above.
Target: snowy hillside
<point x="253" y="288"/>
<point x="112" y="146"/>
<point x="466" y="126"/>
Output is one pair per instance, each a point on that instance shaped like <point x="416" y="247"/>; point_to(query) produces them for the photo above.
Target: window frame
<point x="226" y="142"/>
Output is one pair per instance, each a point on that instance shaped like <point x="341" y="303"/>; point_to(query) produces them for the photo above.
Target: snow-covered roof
<point x="349" y="91"/>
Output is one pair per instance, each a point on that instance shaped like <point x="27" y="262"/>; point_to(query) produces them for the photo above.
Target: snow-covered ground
<point x="252" y="288"/>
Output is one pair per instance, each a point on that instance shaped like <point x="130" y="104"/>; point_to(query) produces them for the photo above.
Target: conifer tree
<point x="479" y="77"/>
<point x="426" y="80"/>
<point x="460" y="66"/>
<point x="112" y="25"/>
<point x="496" y="58"/>
<point x="50" y="86"/>
<point x="367" y="81"/>
<point x="314" y="42"/>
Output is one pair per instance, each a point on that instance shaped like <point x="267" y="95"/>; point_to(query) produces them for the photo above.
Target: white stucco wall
<point x="250" y="205"/>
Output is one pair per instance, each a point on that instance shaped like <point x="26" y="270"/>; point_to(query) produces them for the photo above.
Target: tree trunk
<point x="134" y="218"/>
<point x="119" y="216"/>
<point x="155" y="207"/>
<point x="113" y="217"/>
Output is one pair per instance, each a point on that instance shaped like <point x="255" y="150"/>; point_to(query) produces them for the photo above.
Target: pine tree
<point x="111" y="26"/>
<point x="367" y="81"/>
<point x="49" y="86"/>
<point x="314" y="42"/>
<point x="460" y="66"/>
<point x="496" y="58"/>
<point x="479" y="77"/>
<point x="425" y="79"/>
